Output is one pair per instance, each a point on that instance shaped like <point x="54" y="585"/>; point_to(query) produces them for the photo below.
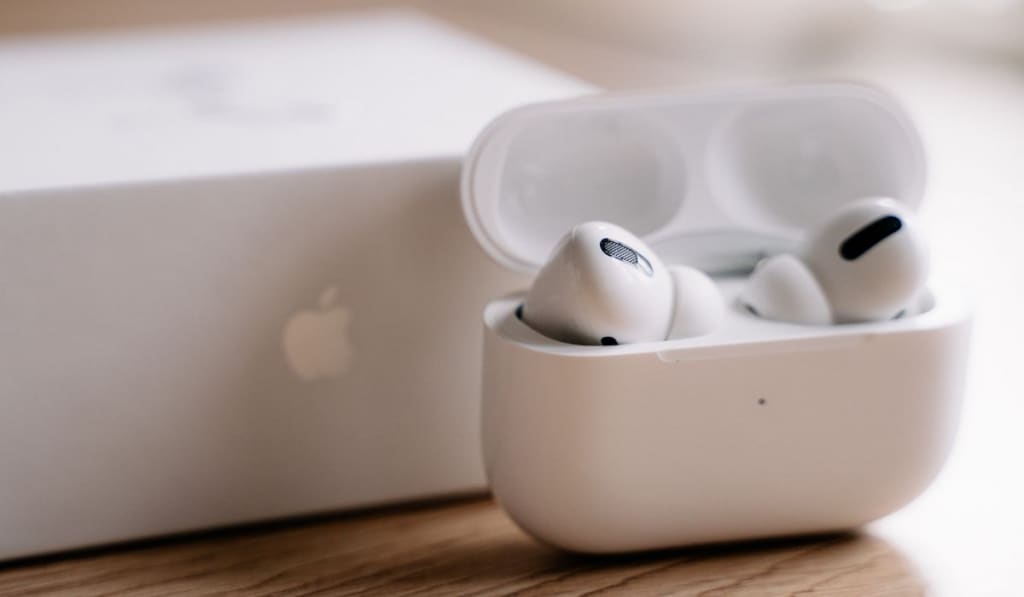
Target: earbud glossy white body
<point x="698" y="307"/>
<point x="603" y="285"/>
<point x="782" y="288"/>
<point x="870" y="258"/>
<point x="867" y="262"/>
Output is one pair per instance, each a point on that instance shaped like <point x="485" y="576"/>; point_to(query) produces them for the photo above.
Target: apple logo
<point x="316" y="342"/>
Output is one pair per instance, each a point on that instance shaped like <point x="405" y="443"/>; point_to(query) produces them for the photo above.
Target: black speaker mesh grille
<point x="617" y="250"/>
<point x="614" y="248"/>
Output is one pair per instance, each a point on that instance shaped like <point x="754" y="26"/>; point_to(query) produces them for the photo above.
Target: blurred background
<point x="958" y="65"/>
<point x="643" y="42"/>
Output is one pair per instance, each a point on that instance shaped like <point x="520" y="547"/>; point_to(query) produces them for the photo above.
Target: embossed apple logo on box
<point x="316" y="341"/>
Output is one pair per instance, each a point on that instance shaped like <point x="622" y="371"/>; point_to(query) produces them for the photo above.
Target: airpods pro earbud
<point x="867" y="262"/>
<point x="603" y="285"/>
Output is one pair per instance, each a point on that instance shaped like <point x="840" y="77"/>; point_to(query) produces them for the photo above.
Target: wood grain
<point x="458" y="548"/>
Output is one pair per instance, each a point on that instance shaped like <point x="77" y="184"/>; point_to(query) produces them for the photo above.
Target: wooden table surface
<point x="465" y="547"/>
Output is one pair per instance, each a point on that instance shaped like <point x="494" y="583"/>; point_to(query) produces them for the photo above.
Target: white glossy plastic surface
<point x="710" y="179"/>
<point x="584" y="296"/>
<point x="699" y="307"/>
<point x="760" y="429"/>
<point x="782" y="288"/>
<point x="879" y="283"/>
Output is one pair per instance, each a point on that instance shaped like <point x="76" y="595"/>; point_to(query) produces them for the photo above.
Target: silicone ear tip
<point x="782" y="288"/>
<point x="699" y="307"/>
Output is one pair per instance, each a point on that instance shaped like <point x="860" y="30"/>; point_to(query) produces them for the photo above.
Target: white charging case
<point x="758" y="429"/>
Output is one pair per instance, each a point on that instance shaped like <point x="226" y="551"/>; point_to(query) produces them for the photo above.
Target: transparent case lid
<point x="715" y="179"/>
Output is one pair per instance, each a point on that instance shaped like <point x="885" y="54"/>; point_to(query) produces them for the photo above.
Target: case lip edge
<point x="951" y="309"/>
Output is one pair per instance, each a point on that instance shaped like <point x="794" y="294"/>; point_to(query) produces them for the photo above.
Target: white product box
<point x="237" y="283"/>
